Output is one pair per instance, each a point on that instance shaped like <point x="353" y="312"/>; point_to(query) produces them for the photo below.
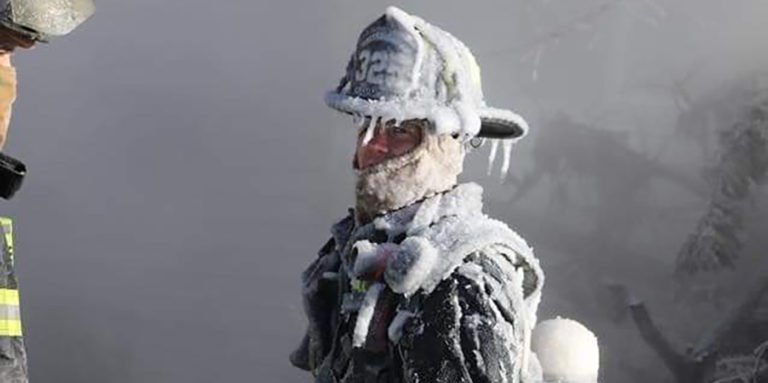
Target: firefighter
<point x="417" y="283"/>
<point x="23" y="23"/>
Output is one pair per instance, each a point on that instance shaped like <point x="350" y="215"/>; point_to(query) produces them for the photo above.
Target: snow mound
<point x="567" y="351"/>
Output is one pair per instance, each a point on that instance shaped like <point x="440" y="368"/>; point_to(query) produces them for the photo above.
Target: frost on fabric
<point x="370" y="256"/>
<point x="395" y="329"/>
<point x="514" y="319"/>
<point x="473" y="322"/>
<point x="365" y="315"/>
<point x="441" y="233"/>
<point x="444" y="230"/>
<point x="405" y="268"/>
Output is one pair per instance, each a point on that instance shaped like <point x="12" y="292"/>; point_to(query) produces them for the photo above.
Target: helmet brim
<point x="494" y="123"/>
<point x="501" y="124"/>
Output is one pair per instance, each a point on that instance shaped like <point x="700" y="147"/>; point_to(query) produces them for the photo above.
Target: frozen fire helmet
<point x="41" y="19"/>
<point x="404" y="68"/>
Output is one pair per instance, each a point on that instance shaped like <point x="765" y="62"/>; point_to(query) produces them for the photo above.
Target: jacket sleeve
<point x="467" y="328"/>
<point x="320" y="301"/>
<point x="7" y="97"/>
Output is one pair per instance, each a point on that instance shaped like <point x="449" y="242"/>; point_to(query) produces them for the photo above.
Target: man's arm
<point x="468" y="327"/>
<point x="320" y="298"/>
<point x="459" y="337"/>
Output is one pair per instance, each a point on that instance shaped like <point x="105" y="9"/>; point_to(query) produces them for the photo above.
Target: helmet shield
<point x="383" y="64"/>
<point x="44" y="18"/>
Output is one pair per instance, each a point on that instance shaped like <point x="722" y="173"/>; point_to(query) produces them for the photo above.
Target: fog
<point x="183" y="170"/>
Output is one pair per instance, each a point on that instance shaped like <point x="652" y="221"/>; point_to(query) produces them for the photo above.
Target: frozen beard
<point x="430" y="168"/>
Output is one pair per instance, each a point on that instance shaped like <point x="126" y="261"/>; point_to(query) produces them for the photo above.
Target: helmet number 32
<point x="372" y="67"/>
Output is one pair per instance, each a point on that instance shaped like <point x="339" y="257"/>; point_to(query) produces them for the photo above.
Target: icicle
<point x="536" y="61"/>
<point x="395" y="329"/>
<point x="492" y="156"/>
<point x="358" y="120"/>
<point x="365" y="315"/>
<point x="369" y="131"/>
<point x="507" y="148"/>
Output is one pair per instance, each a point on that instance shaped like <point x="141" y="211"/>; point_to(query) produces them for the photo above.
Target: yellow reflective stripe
<point x="358" y="285"/>
<point x="10" y="327"/>
<point x="9" y="297"/>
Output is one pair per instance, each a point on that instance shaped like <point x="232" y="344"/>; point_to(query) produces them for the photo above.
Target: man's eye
<point x="399" y="130"/>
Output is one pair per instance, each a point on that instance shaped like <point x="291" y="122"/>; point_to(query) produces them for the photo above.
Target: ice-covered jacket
<point x="455" y="302"/>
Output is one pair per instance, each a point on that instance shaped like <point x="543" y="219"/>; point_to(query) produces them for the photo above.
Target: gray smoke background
<point x="184" y="170"/>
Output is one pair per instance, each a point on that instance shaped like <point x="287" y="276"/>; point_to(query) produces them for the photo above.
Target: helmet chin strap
<point x="431" y="168"/>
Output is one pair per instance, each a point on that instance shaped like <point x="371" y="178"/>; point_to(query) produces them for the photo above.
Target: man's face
<point x="388" y="141"/>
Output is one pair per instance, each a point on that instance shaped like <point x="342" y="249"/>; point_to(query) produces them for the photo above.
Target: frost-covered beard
<point x="430" y="168"/>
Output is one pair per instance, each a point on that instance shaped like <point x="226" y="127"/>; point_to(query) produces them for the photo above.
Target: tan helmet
<point x="41" y="19"/>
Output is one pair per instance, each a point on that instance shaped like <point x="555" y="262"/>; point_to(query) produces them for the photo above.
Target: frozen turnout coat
<point x="455" y="301"/>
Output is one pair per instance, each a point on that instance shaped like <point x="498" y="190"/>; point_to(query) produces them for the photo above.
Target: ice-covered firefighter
<point x="23" y="23"/>
<point x="417" y="284"/>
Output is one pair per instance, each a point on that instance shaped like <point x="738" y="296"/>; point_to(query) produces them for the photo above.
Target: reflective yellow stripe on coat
<point x="10" y="318"/>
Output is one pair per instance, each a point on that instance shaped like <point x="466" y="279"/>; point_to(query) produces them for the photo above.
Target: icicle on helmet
<point x="404" y="68"/>
<point x="42" y="19"/>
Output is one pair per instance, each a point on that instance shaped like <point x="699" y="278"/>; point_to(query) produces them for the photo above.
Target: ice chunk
<point x="365" y="315"/>
<point x="407" y="269"/>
